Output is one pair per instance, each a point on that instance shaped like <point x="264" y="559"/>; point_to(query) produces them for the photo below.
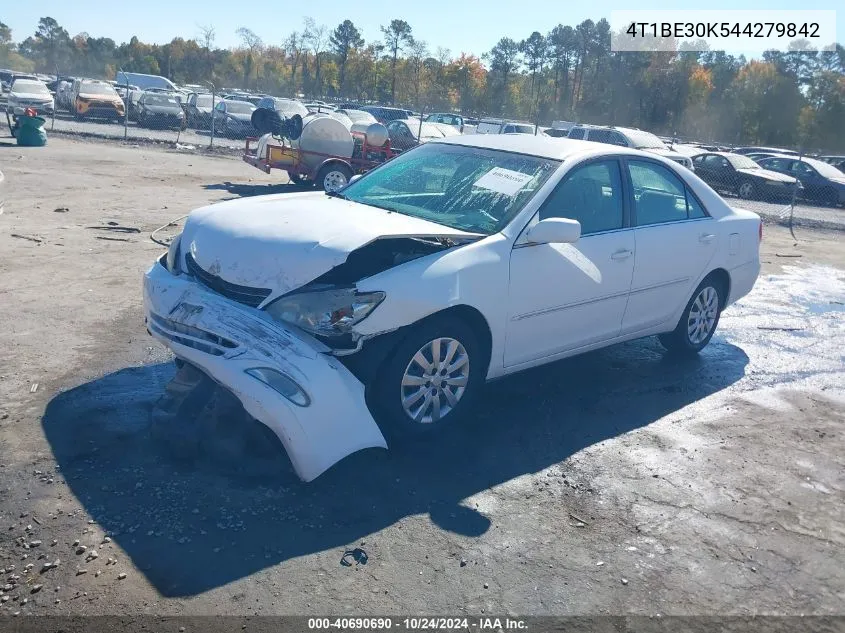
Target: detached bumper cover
<point x="225" y="339"/>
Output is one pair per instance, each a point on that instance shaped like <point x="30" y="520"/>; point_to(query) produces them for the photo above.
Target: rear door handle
<point x="619" y="255"/>
<point x="706" y="237"/>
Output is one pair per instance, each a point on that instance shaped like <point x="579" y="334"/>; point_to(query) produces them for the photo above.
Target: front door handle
<point x="706" y="237"/>
<point x="623" y="254"/>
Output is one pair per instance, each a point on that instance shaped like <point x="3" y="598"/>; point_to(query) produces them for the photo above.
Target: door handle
<point x="706" y="237"/>
<point x="623" y="254"/>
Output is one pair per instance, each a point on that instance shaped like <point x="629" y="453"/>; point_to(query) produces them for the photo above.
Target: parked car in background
<point x="822" y="182"/>
<point x="145" y="82"/>
<point x="756" y="156"/>
<point x="325" y="108"/>
<point x="161" y="110"/>
<point x="29" y="93"/>
<point x="455" y="120"/>
<point x="503" y="126"/>
<point x="93" y="99"/>
<point x="385" y="115"/>
<point x="199" y="110"/>
<point x="770" y="150"/>
<point x="628" y="137"/>
<point x="389" y="304"/>
<point x="555" y="133"/>
<point x="357" y="116"/>
<point x="64" y="95"/>
<point x="233" y="118"/>
<point x="690" y="150"/>
<point x="408" y="133"/>
<point x="743" y="177"/>
<point x="285" y="107"/>
<point x="836" y="161"/>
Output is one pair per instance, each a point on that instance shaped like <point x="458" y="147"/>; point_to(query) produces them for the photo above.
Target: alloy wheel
<point x="702" y="315"/>
<point x="435" y="380"/>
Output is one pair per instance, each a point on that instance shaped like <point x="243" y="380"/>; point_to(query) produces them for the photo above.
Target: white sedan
<point x="334" y="316"/>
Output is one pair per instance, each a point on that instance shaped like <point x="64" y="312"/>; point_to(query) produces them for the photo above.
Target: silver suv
<point x="628" y="137"/>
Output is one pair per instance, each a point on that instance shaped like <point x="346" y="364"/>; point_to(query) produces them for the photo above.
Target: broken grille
<point x="242" y="294"/>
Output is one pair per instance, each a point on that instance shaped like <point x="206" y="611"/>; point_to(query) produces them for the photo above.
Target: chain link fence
<point x="783" y="185"/>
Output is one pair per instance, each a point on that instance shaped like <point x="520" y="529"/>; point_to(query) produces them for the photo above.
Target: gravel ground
<point x="619" y="482"/>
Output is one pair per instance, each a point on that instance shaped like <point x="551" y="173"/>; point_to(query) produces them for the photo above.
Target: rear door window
<point x="660" y="196"/>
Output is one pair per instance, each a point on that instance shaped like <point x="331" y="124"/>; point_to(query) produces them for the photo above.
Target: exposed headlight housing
<point x="173" y="255"/>
<point x="325" y="312"/>
<point x="282" y="384"/>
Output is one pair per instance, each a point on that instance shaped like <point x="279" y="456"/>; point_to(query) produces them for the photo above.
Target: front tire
<point x="746" y="190"/>
<point x="431" y="379"/>
<point x="699" y="320"/>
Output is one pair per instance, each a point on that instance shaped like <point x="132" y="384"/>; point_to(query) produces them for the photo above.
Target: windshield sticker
<point x="503" y="181"/>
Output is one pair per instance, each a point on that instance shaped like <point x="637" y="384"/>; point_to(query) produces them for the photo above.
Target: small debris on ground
<point x="27" y="237"/>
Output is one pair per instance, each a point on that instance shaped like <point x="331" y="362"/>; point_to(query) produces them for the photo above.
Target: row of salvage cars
<point x="380" y="308"/>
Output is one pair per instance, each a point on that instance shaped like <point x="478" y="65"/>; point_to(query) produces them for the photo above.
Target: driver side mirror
<point x="554" y="231"/>
<point x="354" y="178"/>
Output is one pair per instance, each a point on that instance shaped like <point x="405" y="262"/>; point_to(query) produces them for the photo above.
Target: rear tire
<point x="411" y="379"/>
<point x="699" y="319"/>
<point x="333" y="177"/>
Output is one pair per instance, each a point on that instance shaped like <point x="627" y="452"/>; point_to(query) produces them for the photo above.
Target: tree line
<point x="793" y="98"/>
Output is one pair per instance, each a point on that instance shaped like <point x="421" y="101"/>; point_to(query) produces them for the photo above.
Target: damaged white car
<point x="333" y="316"/>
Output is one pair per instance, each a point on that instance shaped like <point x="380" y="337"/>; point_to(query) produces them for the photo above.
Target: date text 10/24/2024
<point x="416" y="624"/>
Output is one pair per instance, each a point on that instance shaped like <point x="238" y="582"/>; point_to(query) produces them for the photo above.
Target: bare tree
<point x="254" y="45"/>
<point x="317" y="38"/>
<point x="207" y="35"/>
<point x="293" y="48"/>
<point x="418" y="53"/>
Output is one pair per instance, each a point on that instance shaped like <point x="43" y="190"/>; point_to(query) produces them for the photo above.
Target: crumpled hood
<point x="283" y="241"/>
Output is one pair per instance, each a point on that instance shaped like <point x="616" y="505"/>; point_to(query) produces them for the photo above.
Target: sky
<point x="470" y="26"/>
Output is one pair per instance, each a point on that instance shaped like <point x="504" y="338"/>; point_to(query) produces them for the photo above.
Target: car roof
<point x="541" y="146"/>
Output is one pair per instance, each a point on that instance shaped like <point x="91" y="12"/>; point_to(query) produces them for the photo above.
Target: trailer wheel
<point x="296" y="179"/>
<point x="333" y="176"/>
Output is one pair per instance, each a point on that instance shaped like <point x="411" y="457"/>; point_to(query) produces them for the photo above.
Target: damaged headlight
<point x="325" y="312"/>
<point x="173" y="255"/>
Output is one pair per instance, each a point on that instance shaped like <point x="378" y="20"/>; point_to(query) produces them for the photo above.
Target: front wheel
<point x="333" y="177"/>
<point x="432" y="377"/>
<point x="699" y="320"/>
<point x="746" y="190"/>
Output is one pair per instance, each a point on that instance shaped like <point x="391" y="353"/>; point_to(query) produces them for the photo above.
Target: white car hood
<point x="284" y="241"/>
<point x="31" y="96"/>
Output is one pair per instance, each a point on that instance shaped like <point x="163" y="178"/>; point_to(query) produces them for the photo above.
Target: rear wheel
<point x="830" y="197"/>
<point x="699" y="320"/>
<point x="333" y="177"/>
<point x="432" y="377"/>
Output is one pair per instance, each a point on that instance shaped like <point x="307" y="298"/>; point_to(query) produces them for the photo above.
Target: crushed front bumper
<point x="225" y="339"/>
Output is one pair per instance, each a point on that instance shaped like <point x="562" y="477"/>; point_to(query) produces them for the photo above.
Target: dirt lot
<point x="618" y="482"/>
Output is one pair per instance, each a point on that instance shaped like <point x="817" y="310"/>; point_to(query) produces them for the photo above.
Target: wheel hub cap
<point x="702" y="315"/>
<point x="333" y="181"/>
<point x="435" y="380"/>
